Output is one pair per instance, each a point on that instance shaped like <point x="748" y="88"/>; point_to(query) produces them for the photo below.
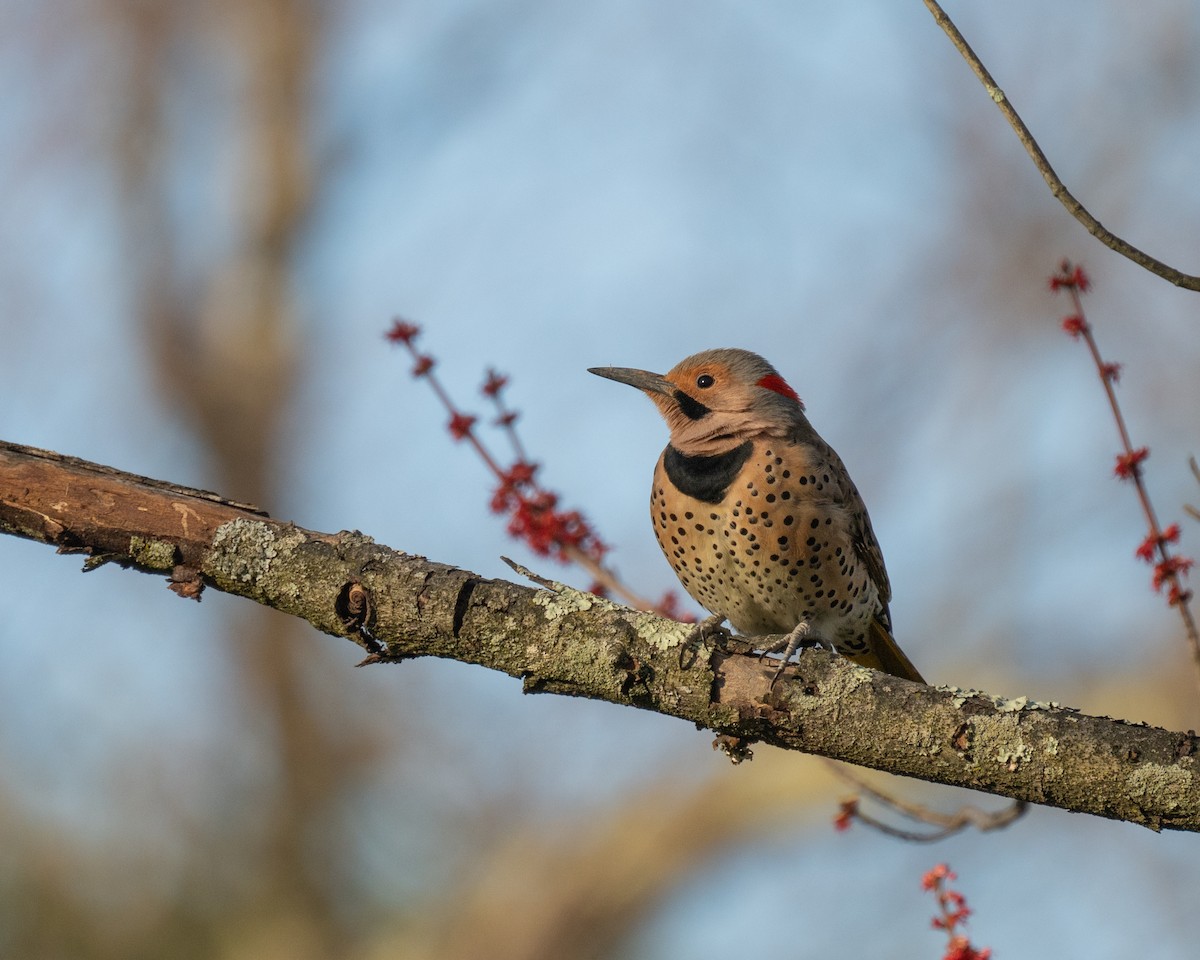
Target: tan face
<point x="702" y="391"/>
<point x="712" y="404"/>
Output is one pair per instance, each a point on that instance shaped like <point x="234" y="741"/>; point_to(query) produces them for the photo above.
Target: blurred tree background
<point x="212" y="212"/>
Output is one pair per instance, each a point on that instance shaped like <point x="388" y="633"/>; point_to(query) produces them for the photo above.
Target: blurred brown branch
<point x="576" y="886"/>
<point x="220" y="335"/>
<point x="946" y="824"/>
<point x="1057" y="187"/>
<point x="569" y="642"/>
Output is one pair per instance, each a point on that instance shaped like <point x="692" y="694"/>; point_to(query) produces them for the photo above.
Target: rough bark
<point x="560" y="640"/>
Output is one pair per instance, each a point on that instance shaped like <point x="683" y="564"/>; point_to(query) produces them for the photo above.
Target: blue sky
<point x="546" y="188"/>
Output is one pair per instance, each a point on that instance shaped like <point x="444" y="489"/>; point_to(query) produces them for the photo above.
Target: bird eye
<point x="704" y="381"/>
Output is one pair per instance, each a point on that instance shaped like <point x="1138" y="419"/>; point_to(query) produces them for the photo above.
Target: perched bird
<point x="757" y="514"/>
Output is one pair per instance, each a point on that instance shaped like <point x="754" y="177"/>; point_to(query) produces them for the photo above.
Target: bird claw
<point x="704" y="626"/>
<point x="798" y="639"/>
<point x="696" y="636"/>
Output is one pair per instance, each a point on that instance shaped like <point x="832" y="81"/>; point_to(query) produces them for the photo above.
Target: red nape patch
<point x="775" y="382"/>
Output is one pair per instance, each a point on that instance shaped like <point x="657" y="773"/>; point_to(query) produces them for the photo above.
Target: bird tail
<point x="884" y="654"/>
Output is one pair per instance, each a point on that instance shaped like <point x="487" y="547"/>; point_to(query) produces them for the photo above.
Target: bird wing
<point x="867" y="547"/>
<point x="861" y="534"/>
<point x="883" y="652"/>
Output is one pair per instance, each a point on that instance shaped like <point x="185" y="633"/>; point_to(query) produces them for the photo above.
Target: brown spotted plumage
<point x="757" y="514"/>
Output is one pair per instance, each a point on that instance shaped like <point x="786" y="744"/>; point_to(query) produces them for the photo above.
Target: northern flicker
<point x="757" y="514"/>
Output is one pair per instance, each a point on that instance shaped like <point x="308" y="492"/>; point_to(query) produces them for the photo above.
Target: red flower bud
<point x="402" y="332"/>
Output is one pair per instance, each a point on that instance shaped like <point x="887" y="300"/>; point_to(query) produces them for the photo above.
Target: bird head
<point x="716" y="400"/>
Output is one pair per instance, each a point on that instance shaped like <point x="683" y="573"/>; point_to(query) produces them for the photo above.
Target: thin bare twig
<point x="947" y="824"/>
<point x="1057" y="187"/>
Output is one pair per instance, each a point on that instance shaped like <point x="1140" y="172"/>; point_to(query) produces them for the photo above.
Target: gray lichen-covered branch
<point x="559" y="640"/>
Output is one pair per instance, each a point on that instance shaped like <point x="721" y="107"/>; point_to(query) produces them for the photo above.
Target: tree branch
<point x="1057" y="187"/>
<point x="561" y="640"/>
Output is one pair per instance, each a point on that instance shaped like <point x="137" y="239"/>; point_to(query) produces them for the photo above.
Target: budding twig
<point x="533" y="511"/>
<point x="1169" y="569"/>
<point x="953" y="913"/>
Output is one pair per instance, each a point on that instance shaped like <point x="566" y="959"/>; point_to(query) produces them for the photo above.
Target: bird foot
<point x="798" y="639"/>
<point x="709" y="625"/>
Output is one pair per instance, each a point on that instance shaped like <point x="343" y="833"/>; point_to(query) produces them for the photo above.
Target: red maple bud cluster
<point x="517" y="477"/>
<point x="1070" y="278"/>
<point x="955" y="905"/>
<point x="402" y="331"/>
<point x="1075" y="326"/>
<point x="959" y="948"/>
<point x="549" y="531"/>
<point x="534" y="517"/>
<point x="1149" y="546"/>
<point x="847" y="811"/>
<point x="1169" y="571"/>
<point x="494" y="383"/>
<point x="460" y="425"/>
<point x="954" y="913"/>
<point x="1111" y="372"/>
<point x="1129" y="463"/>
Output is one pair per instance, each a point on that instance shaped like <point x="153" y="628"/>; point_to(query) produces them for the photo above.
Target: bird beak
<point x="642" y="379"/>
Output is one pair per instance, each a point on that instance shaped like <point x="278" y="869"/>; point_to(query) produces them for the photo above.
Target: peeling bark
<point x="560" y="640"/>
